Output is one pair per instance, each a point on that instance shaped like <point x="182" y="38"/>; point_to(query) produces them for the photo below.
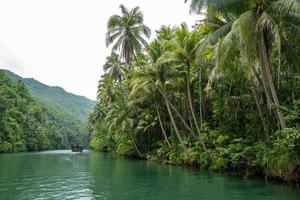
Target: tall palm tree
<point x="182" y="53"/>
<point x="144" y="91"/>
<point x="127" y="32"/>
<point x="164" y="76"/>
<point x="158" y="78"/>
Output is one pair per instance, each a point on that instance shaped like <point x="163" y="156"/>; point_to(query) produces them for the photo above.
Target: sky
<point x="62" y="42"/>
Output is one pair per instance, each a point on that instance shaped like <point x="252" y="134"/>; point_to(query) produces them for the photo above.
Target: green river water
<point x="91" y="175"/>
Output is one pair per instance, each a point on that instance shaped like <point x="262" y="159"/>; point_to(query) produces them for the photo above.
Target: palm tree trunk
<point x="261" y="116"/>
<point x="194" y="117"/>
<point x="200" y="97"/>
<point x="173" y="121"/>
<point x="267" y="69"/>
<point x="191" y="123"/>
<point x="266" y="88"/>
<point x="162" y="127"/>
<point x="263" y="84"/>
<point x="135" y="146"/>
<point x="180" y="117"/>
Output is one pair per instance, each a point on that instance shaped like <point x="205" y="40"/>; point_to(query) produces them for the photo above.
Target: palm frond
<point x="212" y="38"/>
<point x="248" y="34"/>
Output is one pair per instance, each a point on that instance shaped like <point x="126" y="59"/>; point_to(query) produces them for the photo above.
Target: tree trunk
<point x="135" y="146"/>
<point x="200" y="96"/>
<point x="266" y="67"/>
<point x="180" y="117"/>
<point x="193" y="116"/>
<point x="162" y="127"/>
<point x="173" y="121"/>
<point x="261" y="116"/>
<point x="263" y="84"/>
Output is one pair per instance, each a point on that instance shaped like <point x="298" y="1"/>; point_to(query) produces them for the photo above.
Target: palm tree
<point x="163" y="76"/>
<point x="127" y="32"/>
<point x="114" y="67"/>
<point x="182" y="53"/>
<point x="143" y="91"/>
<point x="251" y="26"/>
<point x="165" y="33"/>
<point x="121" y="117"/>
<point x="98" y="113"/>
<point x="105" y="89"/>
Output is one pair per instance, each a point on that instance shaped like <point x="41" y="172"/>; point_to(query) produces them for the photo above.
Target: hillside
<point x="61" y="125"/>
<point x="57" y="98"/>
<point x="28" y="125"/>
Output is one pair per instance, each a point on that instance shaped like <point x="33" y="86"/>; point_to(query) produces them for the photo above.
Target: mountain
<point x="29" y="125"/>
<point x="36" y="116"/>
<point x="57" y="98"/>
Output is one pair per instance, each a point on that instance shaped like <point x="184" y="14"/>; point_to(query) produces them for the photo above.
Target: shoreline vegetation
<point x="222" y="96"/>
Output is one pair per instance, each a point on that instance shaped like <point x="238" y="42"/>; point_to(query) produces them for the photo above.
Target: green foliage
<point x="281" y="160"/>
<point x="6" y="147"/>
<point x="101" y="140"/>
<point x="292" y="113"/>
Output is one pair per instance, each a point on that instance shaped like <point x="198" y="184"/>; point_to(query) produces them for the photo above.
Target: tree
<point x="126" y="32"/>
<point x="121" y="117"/>
<point x="114" y="67"/>
<point x="182" y="54"/>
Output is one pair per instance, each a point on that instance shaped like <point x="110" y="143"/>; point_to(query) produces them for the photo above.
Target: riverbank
<point x="273" y="160"/>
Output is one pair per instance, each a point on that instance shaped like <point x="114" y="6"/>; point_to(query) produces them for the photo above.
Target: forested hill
<point x="29" y="125"/>
<point x="76" y="106"/>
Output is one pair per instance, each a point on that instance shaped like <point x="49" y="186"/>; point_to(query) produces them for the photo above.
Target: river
<point x="90" y="175"/>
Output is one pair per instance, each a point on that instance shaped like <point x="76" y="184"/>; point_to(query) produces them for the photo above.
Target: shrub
<point x="282" y="160"/>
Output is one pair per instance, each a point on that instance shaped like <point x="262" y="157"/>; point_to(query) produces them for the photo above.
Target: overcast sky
<point x="62" y="42"/>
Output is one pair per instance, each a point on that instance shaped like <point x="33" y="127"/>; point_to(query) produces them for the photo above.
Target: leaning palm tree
<point x="156" y="78"/>
<point x="182" y="53"/>
<point x="127" y="32"/>
<point x="144" y="91"/>
<point x="164" y="76"/>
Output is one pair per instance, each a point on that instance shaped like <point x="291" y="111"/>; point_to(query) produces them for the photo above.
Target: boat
<point x="77" y="148"/>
